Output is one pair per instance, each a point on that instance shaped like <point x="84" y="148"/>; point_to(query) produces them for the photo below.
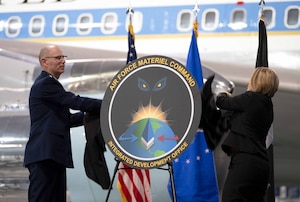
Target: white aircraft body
<point x="227" y="41"/>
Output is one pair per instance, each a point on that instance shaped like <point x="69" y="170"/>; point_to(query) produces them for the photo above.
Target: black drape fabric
<point x="94" y="159"/>
<point x="214" y="122"/>
<point x="262" y="52"/>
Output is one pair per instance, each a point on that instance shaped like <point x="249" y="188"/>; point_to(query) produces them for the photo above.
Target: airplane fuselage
<point x="223" y="25"/>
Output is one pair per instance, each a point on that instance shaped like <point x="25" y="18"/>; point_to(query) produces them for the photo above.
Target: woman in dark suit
<point x="48" y="150"/>
<point x="252" y="116"/>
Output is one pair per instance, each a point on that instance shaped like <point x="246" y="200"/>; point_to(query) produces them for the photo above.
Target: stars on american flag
<point x="131" y="55"/>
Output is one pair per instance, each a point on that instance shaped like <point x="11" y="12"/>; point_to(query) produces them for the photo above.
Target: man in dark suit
<point x="48" y="150"/>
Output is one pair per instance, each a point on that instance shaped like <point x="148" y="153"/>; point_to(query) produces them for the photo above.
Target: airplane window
<point x="185" y="20"/>
<point x="210" y="19"/>
<point x="137" y="21"/>
<point x="85" y="24"/>
<point x="238" y="19"/>
<point x="60" y="25"/>
<point x="269" y="17"/>
<point x="238" y="16"/>
<point x="14" y="25"/>
<point x="292" y="17"/>
<point x="36" y="25"/>
<point x="109" y="23"/>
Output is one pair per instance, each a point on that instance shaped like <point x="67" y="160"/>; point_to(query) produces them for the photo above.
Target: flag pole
<point x="194" y="169"/>
<point x="262" y="61"/>
<point x="129" y="12"/>
<point x="133" y="183"/>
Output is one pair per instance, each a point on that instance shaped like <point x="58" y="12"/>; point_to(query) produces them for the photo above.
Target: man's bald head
<point x="46" y="51"/>
<point x="52" y="60"/>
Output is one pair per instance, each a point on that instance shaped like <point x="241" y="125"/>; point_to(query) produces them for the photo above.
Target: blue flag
<point x="194" y="171"/>
<point x="131" y="54"/>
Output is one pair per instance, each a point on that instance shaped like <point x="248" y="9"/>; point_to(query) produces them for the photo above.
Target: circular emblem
<point x="150" y="112"/>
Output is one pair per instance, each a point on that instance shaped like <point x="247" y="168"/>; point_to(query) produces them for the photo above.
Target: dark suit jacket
<point x="51" y="120"/>
<point x="251" y="120"/>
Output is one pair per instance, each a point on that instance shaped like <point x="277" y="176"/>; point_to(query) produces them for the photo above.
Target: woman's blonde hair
<point x="264" y="80"/>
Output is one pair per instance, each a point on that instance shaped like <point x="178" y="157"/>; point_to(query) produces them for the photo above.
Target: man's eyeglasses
<point x="59" y="57"/>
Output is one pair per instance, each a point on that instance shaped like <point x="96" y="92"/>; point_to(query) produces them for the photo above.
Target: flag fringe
<point x="122" y="195"/>
<point x="195" y="26"/>
<point x="130" y="29"/>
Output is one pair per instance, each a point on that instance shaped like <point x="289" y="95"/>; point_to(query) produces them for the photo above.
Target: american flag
<point x="131" y="55"/>
<point x="133" y="184"/>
